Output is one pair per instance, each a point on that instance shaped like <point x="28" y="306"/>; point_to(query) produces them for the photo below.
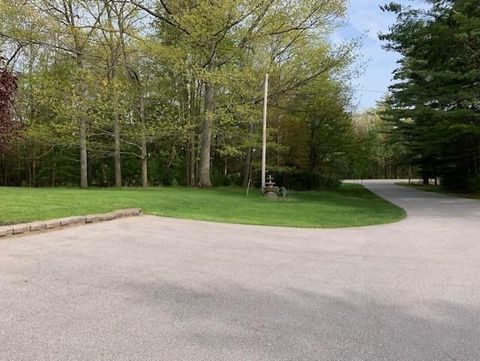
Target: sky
<point x="365" y="19"/>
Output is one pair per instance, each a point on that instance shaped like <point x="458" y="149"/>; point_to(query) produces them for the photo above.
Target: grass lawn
<point x="439" y="189"/>
<point x="351" y="205"/>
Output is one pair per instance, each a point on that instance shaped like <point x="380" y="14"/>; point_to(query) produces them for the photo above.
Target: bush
<point x="221" y="180"/>
<point x="302" y="181"/>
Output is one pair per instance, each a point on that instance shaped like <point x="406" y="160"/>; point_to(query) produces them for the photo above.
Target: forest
<point x="139" y="92"/>
<point x="434" y="103"/>
<point x="144" y="92"/>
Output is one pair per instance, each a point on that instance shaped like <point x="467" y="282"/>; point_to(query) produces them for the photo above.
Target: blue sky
<point x="366" y="19"/>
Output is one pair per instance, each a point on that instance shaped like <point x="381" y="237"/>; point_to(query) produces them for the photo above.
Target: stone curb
<point x="38" y="226"/>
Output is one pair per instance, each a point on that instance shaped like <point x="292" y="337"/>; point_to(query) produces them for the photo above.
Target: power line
<point x="371" y="91"/>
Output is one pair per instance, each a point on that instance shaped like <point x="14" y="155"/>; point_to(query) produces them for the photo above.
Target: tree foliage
<point x="8" y="86"/>
<point x="134" y="92"/>
<point x="435" y="101"/>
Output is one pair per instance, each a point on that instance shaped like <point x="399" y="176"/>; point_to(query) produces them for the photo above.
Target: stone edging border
<point x="22" y="228"/>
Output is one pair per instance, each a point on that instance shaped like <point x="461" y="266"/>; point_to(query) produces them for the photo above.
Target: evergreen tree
<point x="435" y="101"/>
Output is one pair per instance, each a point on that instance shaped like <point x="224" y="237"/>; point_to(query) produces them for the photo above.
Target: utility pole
<point x="264" y="133"/>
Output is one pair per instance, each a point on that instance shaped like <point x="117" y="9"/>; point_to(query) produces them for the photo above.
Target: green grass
<point x="350" y="205"/>
<point x="439" y="189"/>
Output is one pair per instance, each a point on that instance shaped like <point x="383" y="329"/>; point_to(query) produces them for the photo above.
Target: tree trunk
<point x="312" y="148"/>
<point x="71" y="16"/>
<point x="191" y="161"/>
<point x="118" y="159"/>
<point x="54" y="174"/>
<point x="246" y="171"/>
<point x="426" y="180"/>
<point x="4" y="170"/>
<point x="34" y="170"/>
<point x="111" y="79"/>
<point x="206" y="137"/>
<point x="248" y="157"/>
<point x="191" y="101"/>
<point x="143" y="146"/>
<point x="83" y="154"/>
<point x="144" y="162"/>
<point x="28" y="167"/>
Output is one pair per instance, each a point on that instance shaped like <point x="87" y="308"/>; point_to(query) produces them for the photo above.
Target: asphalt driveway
<point x="151" y="288"/>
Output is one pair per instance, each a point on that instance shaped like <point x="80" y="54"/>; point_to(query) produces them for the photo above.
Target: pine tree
<point x="435" y="101"/>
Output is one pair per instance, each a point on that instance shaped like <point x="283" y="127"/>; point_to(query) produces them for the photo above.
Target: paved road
<point x="154" y="288"/>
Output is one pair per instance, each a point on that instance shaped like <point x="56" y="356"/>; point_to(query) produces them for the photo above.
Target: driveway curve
<point x="153" y="288"/>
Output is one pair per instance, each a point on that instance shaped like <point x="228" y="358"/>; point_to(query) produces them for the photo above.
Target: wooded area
<point x="434" y="104"/>
<point x="165" y="92"/>
<point x="140" y="92"/>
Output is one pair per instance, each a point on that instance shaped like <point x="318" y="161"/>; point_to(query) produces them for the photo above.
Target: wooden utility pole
<point x="264" y="132"/>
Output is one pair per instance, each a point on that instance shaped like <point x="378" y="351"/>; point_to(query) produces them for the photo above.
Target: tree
<point x="214" y="35"/>
<point x="435" y="101"/>
<point x="8" y="86"/>
<point x="173" y="98"/>
<point x="318" y="133"/>
<point x="379" y="150"/>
